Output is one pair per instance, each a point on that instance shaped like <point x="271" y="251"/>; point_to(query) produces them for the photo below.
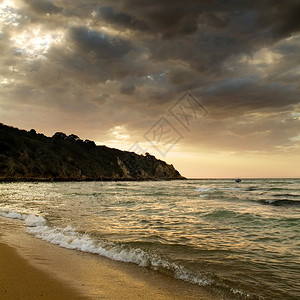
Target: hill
<point x="27" y="155"/>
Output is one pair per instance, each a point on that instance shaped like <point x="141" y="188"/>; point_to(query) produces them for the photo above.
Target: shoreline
<point x="80" y="275"/>
<point x="5" y="180"/>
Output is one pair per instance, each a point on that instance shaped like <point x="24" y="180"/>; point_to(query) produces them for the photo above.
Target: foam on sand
<point x="69" y="238"/>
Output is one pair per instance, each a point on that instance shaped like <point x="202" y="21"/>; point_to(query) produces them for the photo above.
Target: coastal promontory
<point x="28" y="155"/>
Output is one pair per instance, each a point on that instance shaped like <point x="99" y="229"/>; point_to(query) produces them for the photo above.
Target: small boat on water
<point x="238" y="180"/>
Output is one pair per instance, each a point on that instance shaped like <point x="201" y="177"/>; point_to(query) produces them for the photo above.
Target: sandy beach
<point x="20" y="280"/>
<point x="32" y="269"/>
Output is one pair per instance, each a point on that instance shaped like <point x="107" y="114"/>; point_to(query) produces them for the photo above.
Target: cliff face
<point x="30" y="156"/>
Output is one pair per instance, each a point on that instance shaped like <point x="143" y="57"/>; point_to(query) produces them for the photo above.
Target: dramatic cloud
<point x="43" y="7"/>
<point x="90" y="67"/>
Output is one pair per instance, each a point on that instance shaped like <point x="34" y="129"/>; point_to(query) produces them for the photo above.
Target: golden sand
<point x="20" y="280"/>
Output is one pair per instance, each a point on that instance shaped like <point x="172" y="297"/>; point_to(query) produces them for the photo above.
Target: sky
<point x="211" y="86"/>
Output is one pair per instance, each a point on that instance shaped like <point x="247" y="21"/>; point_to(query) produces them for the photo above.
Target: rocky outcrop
<point x="27" y="155"/>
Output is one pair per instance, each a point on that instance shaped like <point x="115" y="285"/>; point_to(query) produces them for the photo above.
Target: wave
<point x="221" y="215"/>
<point x="281" y="202"/>
<point x="252" y="188"/>
<point x="214" y="189"/>
<point x="69" y="238"/>
<point x="287" y="195"/>
<point x="203" y="189"/>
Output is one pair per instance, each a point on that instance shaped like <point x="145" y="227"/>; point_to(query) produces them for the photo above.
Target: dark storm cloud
<point x="240" y="96"/>
<point x="128" y="61"/>
<point x="96" y="56"/>
<point x="127" y="88"/>
<point x="123" y="20"/>
<point x="43" y="6"/>
<point x="283" y="16"/>
<point x="173" y="19"/>
<point x="168" y="19"/>
<point x="99" y="43"/>
<point x="205" y="34"/>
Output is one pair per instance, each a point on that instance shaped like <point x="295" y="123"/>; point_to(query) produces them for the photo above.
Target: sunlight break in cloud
<point x="35" y="43"/>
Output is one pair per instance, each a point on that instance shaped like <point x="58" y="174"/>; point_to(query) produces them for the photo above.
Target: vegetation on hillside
<point x="27" y="155"/>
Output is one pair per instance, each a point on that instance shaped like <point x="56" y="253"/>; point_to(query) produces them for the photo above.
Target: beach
<point x="33" y="269"/>
<point x="193" y="239"/>
<point x="20" y="280"/>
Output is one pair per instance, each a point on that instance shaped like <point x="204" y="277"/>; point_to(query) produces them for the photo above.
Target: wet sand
<point x="34" y="269"/>
<point x="20" y="280"/>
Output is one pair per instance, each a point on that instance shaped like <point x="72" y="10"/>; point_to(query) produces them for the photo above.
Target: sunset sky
<point x="212" y="87"/>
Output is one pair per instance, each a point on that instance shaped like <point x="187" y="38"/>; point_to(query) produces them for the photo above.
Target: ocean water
<point x="241" y="240"/>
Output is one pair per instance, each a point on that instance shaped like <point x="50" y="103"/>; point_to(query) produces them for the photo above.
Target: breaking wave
<point x="69" y="238"/>
<point x="281" y="202"/>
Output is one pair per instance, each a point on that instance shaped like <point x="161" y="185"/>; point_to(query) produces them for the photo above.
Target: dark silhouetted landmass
<point x="27" y="155"/>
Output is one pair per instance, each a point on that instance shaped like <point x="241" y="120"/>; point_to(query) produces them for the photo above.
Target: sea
<point x="241" y="240"/>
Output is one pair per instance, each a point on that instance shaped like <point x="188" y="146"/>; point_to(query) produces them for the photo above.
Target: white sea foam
<point x="69" y="238"/>
<point x="203" y="189"/>
<point x="203" y="195"/>
<point x="241" y="293"/>
<point x="12" y="215"/>
<point x="209" y="189"/>
<point x="186" y="275"/>
<point x="34" y="221"/>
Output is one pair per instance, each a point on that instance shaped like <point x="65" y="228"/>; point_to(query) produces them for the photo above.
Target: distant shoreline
<point x="245" y="178"/>
<point x="86" y="180"/>
<point x="130" y="179"/>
